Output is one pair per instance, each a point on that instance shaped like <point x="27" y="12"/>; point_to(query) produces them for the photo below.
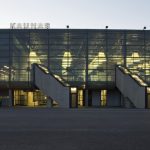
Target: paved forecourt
<point x="74" y="129"/>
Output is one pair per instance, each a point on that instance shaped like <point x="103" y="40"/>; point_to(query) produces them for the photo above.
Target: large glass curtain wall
<point x="105" y="50"/>
<point x="67" y="55"/>
<point x="81" y="57"/>
<point x="4" y="55"/>
<point x="27" y="47"/>
<point x="137" y="53"/>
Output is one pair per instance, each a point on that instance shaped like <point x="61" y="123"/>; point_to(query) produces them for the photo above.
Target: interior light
<point x="33" y="58"/>
<point x="102" y="56"/>
<point x="135" y="57"/>
<point x="98" y="60"/>
<point x="6" y="67"/>
<point x="146" y="66"/>
<point x="67" y="59"/>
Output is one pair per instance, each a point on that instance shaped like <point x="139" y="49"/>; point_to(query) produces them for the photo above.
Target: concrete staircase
<point x="132" y="88"/>
<point x="51" y="85"/>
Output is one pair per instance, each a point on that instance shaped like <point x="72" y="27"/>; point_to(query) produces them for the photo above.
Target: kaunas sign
<point x="29" y="25"/>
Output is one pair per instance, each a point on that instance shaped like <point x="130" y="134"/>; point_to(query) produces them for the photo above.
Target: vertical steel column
<point x="106" y="37"/>
<point x="11" y="99"/>
<point x="10" y="62"/>
<point x="28" y="68"/>
<point x="87" y="58"/>
<point x="144" y="40"/>
<point x="146" y="94"/>
<point x="86" y="71"/>
<point x="124" y="50"/>
<point x="48" y="49"/>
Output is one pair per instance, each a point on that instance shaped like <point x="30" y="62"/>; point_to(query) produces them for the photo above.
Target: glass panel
<point x="103" y="98"/>
<point x="67" y="54"/>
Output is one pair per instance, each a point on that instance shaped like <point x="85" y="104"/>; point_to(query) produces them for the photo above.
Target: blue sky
<point x="121" y="14"/>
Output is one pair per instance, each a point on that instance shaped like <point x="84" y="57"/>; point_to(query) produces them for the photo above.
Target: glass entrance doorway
<point x="80" y="98"/>
<point x="103" y="100"/>
<point x="73" y="97"/>
<point x="28" y="98"/>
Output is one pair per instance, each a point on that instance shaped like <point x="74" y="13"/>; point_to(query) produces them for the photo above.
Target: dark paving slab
<point x="74" y="129"/>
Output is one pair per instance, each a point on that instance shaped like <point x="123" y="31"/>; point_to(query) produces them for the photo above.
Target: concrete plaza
<point x="74" y="129"/>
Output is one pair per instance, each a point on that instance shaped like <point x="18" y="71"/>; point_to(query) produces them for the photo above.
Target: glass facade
<point x="84" y="58"/>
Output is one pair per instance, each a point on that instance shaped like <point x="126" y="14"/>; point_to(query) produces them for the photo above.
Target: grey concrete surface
<point x="51" y="87"/>
<point x="131" y="89"/>
<point x="74" y="129"/>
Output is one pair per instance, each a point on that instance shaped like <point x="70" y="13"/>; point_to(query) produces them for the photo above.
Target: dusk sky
<point x="121" y="14"/>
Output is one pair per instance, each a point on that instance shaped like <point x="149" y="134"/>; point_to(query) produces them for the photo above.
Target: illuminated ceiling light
<point x="6" y="67"/>
<point x="33" y="58"/>
<point x="2" y="70"/>
<point x="32" y="54"/>
<point x="67" y="59"/>
<point x="135" y="54"/>
<point x="146" y="66"/>
<point x="129" y="61"/>
<point x="102" y="56"/>
<point x="135" y="57"/>
<point x="98" y="60"/>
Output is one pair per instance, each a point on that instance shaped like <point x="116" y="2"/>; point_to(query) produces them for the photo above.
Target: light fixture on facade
<point x="73" y="90"/>
<point x="148" y="89"/>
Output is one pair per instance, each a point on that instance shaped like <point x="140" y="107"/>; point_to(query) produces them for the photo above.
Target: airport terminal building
<point x="75" y="67"/>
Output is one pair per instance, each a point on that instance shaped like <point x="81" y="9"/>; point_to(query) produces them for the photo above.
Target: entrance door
<point x="80" y="98"/>
<point x="103" y="100"/>
<point x="73" y="100"/>
<point x="20" y="98"/>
